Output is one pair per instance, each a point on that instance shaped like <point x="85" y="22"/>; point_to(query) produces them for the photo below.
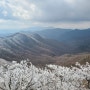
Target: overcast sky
<point x="48" y="13"/>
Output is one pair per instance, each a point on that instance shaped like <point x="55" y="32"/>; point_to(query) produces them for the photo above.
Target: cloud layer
<point x="63" y="10"/>
<point x="51" y="12"/>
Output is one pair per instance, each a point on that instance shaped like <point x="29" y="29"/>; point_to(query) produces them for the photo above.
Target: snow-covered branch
<point x="20" y="76"/>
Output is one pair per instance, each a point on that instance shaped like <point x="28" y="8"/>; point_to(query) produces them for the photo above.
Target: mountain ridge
<point x="43" y="50"/>
<point x="25" y="45"/>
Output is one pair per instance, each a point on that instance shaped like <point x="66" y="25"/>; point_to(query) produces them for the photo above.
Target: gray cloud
<point x="46" y="10"/>
<point x="59" y="13"/>
<point x="62" y="10"/>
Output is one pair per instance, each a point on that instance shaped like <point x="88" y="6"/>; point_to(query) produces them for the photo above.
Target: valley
<point x="41" y="47"/>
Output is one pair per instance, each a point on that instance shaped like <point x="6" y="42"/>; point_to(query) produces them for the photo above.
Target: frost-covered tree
<point x="21" y="76"/>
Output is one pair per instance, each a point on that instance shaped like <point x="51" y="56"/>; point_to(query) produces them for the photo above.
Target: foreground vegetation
<point x="25" y="76"/>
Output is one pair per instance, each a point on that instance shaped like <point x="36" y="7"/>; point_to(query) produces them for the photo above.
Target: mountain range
<point x="78" y="40"/>
<point x="44" y="46"/>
